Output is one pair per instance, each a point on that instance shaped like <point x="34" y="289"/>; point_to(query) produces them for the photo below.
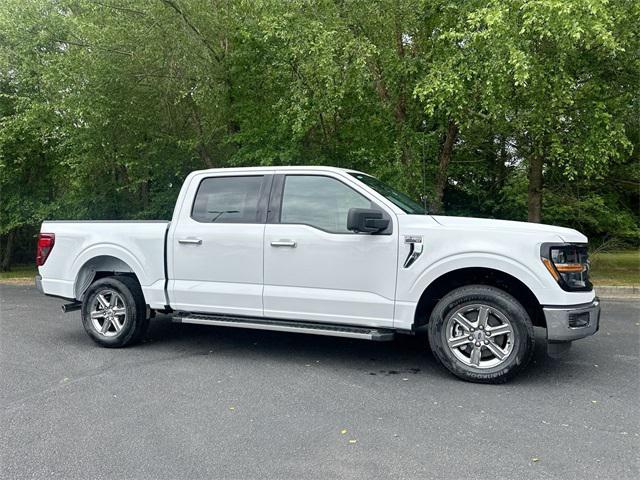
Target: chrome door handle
<point x="192" y="241"/>
<point x="284" y="243"/>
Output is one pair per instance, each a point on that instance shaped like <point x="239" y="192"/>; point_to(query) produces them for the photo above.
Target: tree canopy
<point x="517" y="109"/>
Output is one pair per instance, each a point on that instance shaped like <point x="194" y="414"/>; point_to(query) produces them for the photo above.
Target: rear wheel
<point x="114" y="312"/>
<point x="481" y="334"/>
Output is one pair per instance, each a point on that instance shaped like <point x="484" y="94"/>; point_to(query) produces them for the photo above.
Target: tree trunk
<point x="144" y="194"/>
<point x="443" y="165"/>
<point x="201" y="146"/>
<point x="400" y="111"/>
<point x="8" y="251"/>
<point x="500" y="166"/>
<point x="534" y="197"/>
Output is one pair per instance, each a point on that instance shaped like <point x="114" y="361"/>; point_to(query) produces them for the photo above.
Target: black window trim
<point x="261" y="206"/>
<point x="274" y="212"/>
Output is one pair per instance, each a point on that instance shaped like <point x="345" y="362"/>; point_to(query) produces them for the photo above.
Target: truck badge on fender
<point x="415" y="249"/>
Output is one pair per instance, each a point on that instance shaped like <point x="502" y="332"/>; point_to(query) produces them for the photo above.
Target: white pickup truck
<point x="327" y="251"/>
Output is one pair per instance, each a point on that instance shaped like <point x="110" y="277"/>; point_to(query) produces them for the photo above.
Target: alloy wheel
<point x="479" y="336"/>
<point x="108" y="313"/>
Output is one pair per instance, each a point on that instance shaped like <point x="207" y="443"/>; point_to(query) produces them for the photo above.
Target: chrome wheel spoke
<point x="116" y="324"/>
<point x="496" y="350"/>
<point x="456" y="342"/>
<point x="499" y="330"/>
<point x="119" y="311"/>
<point x="483" y="316"/>
<point x="103" y="301"/>
<point x="476" y="353"/>
<point x="105" y="326"/>
<point x="97" y="314"/>
<point x="463" y="322"/>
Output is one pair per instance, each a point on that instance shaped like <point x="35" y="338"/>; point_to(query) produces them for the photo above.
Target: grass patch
<point x="616" y="268"/>
<point x="19" y="274"/>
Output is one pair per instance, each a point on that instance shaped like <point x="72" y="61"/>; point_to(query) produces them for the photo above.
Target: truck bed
<point x="138" y="244"/>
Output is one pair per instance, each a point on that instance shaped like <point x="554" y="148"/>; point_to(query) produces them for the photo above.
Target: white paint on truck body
<point x="358" y="279"/>
<point x="140" y="245"/>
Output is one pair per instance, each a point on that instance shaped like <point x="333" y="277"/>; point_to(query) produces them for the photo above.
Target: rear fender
<point x="104" y="257"/>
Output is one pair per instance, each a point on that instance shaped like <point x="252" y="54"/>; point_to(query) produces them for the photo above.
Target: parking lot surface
<point x="212" y="402"/>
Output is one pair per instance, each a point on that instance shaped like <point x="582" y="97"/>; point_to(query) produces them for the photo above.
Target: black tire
<point x="136" y="321"/>
<point x="521" y="339"/>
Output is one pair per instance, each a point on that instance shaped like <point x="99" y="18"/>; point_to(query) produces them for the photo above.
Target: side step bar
<point x="332" y="330"/>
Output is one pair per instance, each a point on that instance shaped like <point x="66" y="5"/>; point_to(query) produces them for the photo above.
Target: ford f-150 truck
<point x="327" y="251"/>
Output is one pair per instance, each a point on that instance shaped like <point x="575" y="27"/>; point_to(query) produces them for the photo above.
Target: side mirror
<point x="365" y="220"/>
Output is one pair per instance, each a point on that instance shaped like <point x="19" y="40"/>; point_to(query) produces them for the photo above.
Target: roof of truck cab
<point x="320" y="168"/>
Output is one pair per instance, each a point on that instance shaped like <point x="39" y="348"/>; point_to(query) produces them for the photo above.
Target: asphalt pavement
<point x="212" y="402"/>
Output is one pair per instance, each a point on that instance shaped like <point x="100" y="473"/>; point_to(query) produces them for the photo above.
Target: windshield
<point x="399" y="199"/>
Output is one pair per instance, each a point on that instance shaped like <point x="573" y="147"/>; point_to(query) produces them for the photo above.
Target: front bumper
<point x="568" y="323"/>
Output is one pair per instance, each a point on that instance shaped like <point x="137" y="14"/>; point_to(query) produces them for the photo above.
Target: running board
<point x="331" y="330"/>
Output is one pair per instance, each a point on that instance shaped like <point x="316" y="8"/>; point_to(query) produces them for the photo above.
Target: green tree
<point x="559" y="74"/>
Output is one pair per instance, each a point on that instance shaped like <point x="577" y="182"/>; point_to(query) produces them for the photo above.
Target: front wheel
<point x="481" y="334"/>
<point x="114" y="313"/>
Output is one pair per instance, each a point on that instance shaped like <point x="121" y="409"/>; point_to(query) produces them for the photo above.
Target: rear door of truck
<point x="215" y="244"/>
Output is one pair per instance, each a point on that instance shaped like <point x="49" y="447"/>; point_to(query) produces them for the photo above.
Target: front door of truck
<point x="316" y="269"/>
<point x="217" y="246"/>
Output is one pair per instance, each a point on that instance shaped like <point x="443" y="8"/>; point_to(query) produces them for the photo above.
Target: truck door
<point x="316" y="269"/>
<point x="217" y="245"/>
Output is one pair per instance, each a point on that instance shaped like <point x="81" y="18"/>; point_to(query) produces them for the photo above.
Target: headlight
<point x="568" y="264"/>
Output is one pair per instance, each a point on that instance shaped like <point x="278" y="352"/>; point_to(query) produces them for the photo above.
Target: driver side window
<point x="318" y="201"/>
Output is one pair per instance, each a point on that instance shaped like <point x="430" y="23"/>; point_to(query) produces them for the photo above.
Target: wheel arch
<point x="100" y="266"/>
<point x="478" y="276"/>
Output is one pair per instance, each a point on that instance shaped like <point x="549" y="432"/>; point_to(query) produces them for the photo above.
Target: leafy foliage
<point x="105" y="106"/>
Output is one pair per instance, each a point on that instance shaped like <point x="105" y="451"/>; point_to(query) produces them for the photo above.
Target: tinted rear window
<point x="227" y="200"/>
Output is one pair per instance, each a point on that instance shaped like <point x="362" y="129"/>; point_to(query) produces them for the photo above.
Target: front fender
<point x="504" y="264"/>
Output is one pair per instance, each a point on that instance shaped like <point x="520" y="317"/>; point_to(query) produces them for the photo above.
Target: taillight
<point x="45" y="244"/>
